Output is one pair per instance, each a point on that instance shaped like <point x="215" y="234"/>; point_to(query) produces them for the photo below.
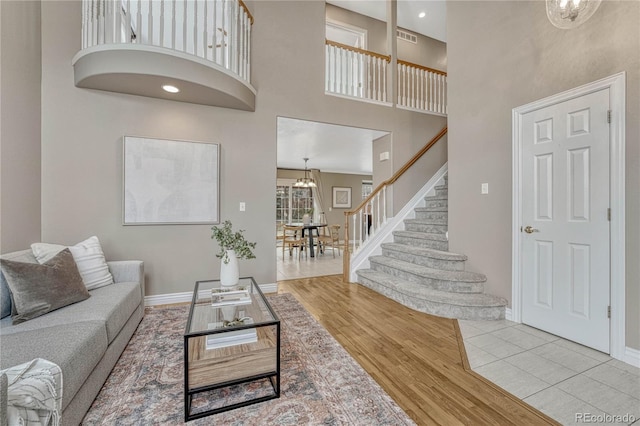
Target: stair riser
<point x="436" y="203"/>
<point x="429" y="262"/>
<point x="432" y="215"/>
<point x="435" y="284"/>
<point x="442" y="191"/>
<point x="436" y="308"/>
<point x="421" y="227"/>
<point x="419" y="242"/>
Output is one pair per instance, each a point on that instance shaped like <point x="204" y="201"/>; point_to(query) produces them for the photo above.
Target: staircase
<point x="418" y="271"/>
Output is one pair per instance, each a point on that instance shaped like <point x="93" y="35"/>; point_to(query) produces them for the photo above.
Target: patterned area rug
<point x="321" y="383"/>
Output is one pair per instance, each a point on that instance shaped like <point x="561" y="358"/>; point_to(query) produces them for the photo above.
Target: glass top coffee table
<point x="232" y="338"/>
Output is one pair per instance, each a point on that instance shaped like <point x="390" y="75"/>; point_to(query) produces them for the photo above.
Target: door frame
<point x="616" y="86"/>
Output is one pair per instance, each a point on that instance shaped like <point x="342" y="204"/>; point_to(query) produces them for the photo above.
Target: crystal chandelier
<point x="306" y="181"/>
<point x="567" y="14"/>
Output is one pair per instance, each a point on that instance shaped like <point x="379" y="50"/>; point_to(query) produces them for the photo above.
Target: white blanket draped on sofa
<point x="34" y="393"/>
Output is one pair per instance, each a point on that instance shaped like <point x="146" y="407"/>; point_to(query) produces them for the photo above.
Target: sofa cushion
<point x="112" y="305"/>
<point x="38" y="289"/>
<point x="75" y="348"/>
<point x="88" y="256"/>
<point x="5" y="294"/>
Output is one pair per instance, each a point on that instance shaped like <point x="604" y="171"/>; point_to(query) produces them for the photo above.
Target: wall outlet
<point x="243" y="206"/>
<point x="485" y="188"/>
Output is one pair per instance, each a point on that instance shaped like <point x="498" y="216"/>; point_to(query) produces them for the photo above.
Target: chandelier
<point x="306" y="181"/>
<point x="567" y="14"/>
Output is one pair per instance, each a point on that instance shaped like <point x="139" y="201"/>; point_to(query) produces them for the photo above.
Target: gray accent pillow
<point x="5" y="298"/>
<point x="38" y="289"/>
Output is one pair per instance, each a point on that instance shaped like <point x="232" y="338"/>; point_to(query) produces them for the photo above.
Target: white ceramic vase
<point x="306" y="219"/>
<point x="229" y="272"/>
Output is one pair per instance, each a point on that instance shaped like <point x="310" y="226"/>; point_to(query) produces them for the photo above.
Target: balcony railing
<point x="356" y="72"/>
<point x="218" y="31"/>
<point x="422" y="88"/>
<point x="364" y="75"/>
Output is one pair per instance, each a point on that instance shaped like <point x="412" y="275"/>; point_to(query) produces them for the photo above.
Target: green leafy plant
<point x="229" y="240"/>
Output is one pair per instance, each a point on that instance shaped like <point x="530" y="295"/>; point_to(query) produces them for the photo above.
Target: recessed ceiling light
<point x="422" y="14"/>
<point x="171" y="89"/>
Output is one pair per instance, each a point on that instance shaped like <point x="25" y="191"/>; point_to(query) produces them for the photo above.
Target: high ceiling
<point x="329" y="147"/>
<point x="432" y="25"/>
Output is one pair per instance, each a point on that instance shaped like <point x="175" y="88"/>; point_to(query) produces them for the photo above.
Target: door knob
<point x="530" y="230"/>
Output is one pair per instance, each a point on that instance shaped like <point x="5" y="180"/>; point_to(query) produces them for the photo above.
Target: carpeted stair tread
<point x="420" y="292"/>
<point x="423" y="251"/>
<point x="436" y="197"/>
<point x="421" y="235"/>
<point x="432" y="209"/>
<point x="423" y="271"/>
<point x="441" y="222"/>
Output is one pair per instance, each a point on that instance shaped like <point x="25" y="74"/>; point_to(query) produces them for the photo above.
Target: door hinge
<point x="609" y="311"/>
<point x="609" y="116"/>
<point x="609" y="214"/>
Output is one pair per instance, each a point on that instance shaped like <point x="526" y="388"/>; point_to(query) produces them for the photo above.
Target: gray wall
<point x="19" y="124"/>
<point x="82" y="143"/>
<point x="506" y="54"/>
<point x="428" y="52"/>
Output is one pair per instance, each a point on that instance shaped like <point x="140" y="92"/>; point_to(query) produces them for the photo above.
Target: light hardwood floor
<point x="418" y="359"/>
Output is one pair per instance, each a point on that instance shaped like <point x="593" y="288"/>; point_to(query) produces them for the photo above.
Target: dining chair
<point x="330" y="237"/>
<point x="279" y="234"/>
<point x="292" y="239"/>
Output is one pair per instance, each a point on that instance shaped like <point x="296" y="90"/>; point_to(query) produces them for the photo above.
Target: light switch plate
<point x="243" y="206"/>
<point x="485" y="188"/>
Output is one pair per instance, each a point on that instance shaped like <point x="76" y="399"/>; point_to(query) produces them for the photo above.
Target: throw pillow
<point x="38" y="289"/>
<point x="5" y="298"/>
<point x="88" y="256"/>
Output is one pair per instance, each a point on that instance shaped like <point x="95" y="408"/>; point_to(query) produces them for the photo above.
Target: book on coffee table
<point x="231" y="338"/>
<point x="222" y="297"/>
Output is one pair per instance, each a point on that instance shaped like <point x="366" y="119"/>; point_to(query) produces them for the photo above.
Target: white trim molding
<point x="185" y="297"/>
<point x="616" y="85"/>
<point x="632" y="357"/>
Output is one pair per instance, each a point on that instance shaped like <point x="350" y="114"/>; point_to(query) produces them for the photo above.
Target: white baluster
<point x="173" y="24"/>
<point x="205" y="31"/>
<point x="150" y="28"/>
<point x="85" y="27"/>
<point x="353" y="246"/>
<point x="384" y="79"/>
<point x="384" y="204"/>
<point x="161" y="32"/>
<point x="223" y="14"/>
<point x="195" y="28"/>
<point x="127" y="30"/>
<point x="248" y="42"/>
<point x="241" y="42"/>
<point x="249" y="52"/>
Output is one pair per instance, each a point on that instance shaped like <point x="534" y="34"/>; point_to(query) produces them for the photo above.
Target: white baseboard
<point x="632" y="357"/>
<point x="184" y="297"/>
<point x="507" y="314"/>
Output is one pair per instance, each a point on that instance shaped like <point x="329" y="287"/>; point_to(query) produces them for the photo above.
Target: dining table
<point x="310" y="227"/>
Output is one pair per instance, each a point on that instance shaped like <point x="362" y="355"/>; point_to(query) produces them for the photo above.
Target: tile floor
<point x="560" y="378"/>
<point x="291" y="268"/>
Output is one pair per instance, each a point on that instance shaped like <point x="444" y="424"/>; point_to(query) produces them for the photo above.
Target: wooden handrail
<point x="358" y="50"/>
<point x="422" y="67"/>
<point x="347" y="255"/>
<point x="246" y="9"/>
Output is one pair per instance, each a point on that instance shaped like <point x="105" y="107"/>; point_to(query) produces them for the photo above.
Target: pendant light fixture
<point x="567" y="14"/>
<point x="306" y="181"/>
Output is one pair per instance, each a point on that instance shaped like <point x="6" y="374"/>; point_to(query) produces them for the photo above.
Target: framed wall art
<point x="170" y="182"/>
<point x="341" y="197"/>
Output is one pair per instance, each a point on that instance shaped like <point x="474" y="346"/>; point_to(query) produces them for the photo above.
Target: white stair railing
<point x="218" y="31"/>
<point x="354" y="72"/>
<point x="422" y="88"/>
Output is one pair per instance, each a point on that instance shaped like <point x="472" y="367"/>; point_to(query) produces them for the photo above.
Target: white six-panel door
<point x="565" y="226"/>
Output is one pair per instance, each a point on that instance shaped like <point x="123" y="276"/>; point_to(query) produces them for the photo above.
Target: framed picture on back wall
<point x="341" y="197"/>
<point x="170" y="182"/>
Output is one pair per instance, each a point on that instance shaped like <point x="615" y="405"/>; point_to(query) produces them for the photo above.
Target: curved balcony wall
<point x="202" y="47"/>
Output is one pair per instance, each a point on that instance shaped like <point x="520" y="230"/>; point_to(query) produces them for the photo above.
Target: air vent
<point x="403" y="35"/>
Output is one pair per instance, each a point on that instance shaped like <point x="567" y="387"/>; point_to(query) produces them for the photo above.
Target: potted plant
<point x="233" y="246"/>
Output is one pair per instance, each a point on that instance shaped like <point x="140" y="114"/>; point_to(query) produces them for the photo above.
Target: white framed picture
<point x="341" y="197"/>
<point x="170" y="182"/>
